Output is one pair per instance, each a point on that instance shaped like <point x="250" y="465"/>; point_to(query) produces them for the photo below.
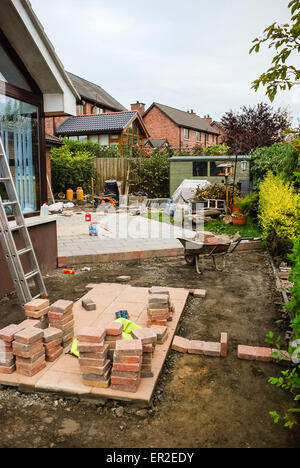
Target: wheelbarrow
<point x="195" y="253"/>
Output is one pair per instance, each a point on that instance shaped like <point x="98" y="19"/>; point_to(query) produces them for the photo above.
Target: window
<point x="80" y="109"/>
<point x="99" y="110"/>
<point x="215" y="171"/>
<point x="198" y="136"/>
<point x="200" y="169"/>
<point x="83" y="138"/>
<point x="186" y="133"/>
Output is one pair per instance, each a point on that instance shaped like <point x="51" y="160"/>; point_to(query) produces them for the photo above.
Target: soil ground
<point x="199" y="401"/>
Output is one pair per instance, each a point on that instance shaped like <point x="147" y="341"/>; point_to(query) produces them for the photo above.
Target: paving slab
<point x="63" y="376"/>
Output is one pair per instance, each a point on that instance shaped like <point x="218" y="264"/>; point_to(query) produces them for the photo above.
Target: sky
<point x="191" y="54"/>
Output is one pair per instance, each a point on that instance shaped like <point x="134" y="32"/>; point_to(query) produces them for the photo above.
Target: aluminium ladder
<point x="12" y="254"/>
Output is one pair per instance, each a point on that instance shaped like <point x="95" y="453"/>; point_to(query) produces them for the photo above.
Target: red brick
<point x="263" y="354"/>
<point x="158" y="299"/>
<point x="52" y="344"/>
<point x="32" y="372"/>
<point x="126" y="367"/>
<point x="52" y="334"/>
<point x="28" y="354"/>
<point x="91" y="335"/>
<point x="55" y="316"/>
<point x="38" y="314"/>
<point x="162" y="323"/>
<point x="125" y="388"/>
<point x="37" y="305"/>
<point x="283" y="354"/>
<point x="146" y="335"/>
<point x="54" y="355"/>
<point x="127" y="359"/>
<point x="212" y="349"/>
<point x="114" y="328"/>
<point x="29" y="335"/>
<point x="196" y="347"/>
<point x="97" y="370"/>
<point x="86" y="362"/>
<point x="8" y="333"/>
<point x="7" y="370"/>
<point x="30" y="324"/>
<point x="224" y="340"/>
<point x="199" y="293"/>
<point x="159" y="290"/>
<point x="61" y="306"/>
<point x="97" y="384"/>
<point x="90" y="347"/>
<point x="160" y="331"/>
<point x="147" y="374"/>
<point x="99" y="355"/>
<point x="124" y="381"/>
<point x="126" y="374"/>
<point x="30" y="365"/>
<point x="63" y="321"/>
<point x="180" y="344"/>
<point x="112" y="339"/>
<point x="129" y="348"/>
<point x="32" y="359"/>
<point x="246" y="352"/>
<point x="155" y="312"/>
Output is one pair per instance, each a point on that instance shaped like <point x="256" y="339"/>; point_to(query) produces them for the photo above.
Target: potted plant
<point x="239" y="215"/>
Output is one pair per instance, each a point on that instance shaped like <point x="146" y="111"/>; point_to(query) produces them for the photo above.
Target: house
<point x="93" y="100"/>
<point x="33" y="84"/>
<point x="111" y="128"/>
<point x="219" y="128"/>
<point x="183" y="130"/>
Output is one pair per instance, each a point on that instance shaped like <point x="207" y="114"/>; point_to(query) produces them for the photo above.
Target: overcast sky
<point x="191" y="54"/>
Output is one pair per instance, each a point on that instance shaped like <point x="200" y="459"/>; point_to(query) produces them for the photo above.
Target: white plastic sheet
<point x="188" y="188"/>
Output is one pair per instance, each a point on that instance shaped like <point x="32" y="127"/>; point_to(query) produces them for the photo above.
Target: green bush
<point x="278" y="213"/>
<point x="150" y="175"/>
<point x="92" y="149"/>
<point x="70" y="170"/>
<point x="281" y="159"/>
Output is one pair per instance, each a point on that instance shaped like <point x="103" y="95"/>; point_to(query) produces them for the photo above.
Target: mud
<point x="199" y="401"/>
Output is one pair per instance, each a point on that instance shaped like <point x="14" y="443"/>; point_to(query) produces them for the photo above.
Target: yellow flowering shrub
<point x="278" y="212"/>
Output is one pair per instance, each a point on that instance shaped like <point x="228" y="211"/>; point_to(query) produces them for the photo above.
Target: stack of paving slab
<point x="161" y="333"/>
<point x="53" y="343"/>
<point x="148" y="339"/>
<point x="61" y="316"/>
<point x="38" y="310"/>
<point x="160" y="310"/>
<point x="127" y="366"/>
<point x="114" y="332"/>
<point x="29" y="351"/>
<point x="94" y="363"/>
<point x="7" y="358"/>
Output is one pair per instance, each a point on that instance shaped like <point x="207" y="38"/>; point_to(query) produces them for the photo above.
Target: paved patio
<point x="63" y="376"/>
<point x="121" y="237"/>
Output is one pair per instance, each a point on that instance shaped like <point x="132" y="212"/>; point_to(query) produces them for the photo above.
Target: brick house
<point x="183" y="130"/>
<point x="219" y="128"/>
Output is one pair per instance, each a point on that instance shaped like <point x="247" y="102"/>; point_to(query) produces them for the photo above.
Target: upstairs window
<point x="198" y="136"/>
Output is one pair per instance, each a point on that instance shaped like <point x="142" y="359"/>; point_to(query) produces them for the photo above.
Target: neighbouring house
<point x="162" y="145"/>
<point x="93" y="100"/>
<point x="219" y="128"/>
<point x="206" y="168"/>
<point x="33" y="84"/>
<point x="114" y="128"/>
<point x="183" y="130"/>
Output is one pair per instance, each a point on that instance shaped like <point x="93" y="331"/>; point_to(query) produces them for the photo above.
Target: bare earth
<point x="199" y="401"/>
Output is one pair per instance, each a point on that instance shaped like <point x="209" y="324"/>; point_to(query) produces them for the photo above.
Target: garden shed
<point x="206" y="168"/>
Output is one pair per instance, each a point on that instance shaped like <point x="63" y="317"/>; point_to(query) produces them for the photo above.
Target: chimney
<point x="139" y="107"/>
<point x="208" y="119"/>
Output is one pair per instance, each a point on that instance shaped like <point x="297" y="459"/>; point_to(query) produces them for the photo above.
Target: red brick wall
<point x="160" y="127"/>
<point x="221" y="137"/>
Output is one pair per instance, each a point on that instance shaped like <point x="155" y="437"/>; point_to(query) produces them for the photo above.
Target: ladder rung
<point x="4" y="179"/>
<point x="31" y="274"/>
<point x="15" y="202"/>
<point x="15" y="228"/>
<point x="38" y="296"/>
<point x="24" y="251"/>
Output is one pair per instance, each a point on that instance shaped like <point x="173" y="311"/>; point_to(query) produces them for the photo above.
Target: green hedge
<point x="150" y="175"/>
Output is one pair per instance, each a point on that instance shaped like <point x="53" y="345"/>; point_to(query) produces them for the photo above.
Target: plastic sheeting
<point x="187" y="189"/>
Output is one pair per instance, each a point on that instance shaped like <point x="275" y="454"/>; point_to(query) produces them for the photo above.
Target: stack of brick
<point x="114" y="332"/>
<point x="127" y="366"/>
<point x="53" y="343"/>
<point x="61" y="317"/>
<point x="148" y="339"/>
<point x="161" y="332"/>
<point x="160" y="310"/>
<point x="38" y="310"/>
<point x="7" y="358"/>
<point x="29" y="351"/>
<point x="94" y="363"/>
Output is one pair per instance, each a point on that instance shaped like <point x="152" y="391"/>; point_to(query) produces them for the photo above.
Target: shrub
<point x="92" y="149"/>
<point x="281" y="159"/>
<point x="216" y="191"/>
<point x="150" y="175"/>
<point x="71" y="171"/>
<point x="249" y="205"/>
<point x="278" y="213"/>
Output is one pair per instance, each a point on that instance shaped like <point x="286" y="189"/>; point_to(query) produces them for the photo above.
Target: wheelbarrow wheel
<point x="190" y="259"/>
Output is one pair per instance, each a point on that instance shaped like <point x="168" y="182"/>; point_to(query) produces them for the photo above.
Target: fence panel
<point x="110" y="168"/>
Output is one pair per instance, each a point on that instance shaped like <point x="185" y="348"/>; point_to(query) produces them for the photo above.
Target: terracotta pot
<point x="235" y="209"/>
<point x="239" y="220"/>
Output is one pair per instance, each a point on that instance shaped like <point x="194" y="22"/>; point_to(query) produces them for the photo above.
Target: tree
<point x="254" y="127"/>
<point x="286" y="40"/>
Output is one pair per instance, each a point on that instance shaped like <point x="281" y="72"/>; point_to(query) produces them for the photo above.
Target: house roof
<point x="99" y="123"/>
<point x="157" y="143"/>
<point x="184" y="119"/>
<point x="92" y="92"/>
<point x="53" y="140"/>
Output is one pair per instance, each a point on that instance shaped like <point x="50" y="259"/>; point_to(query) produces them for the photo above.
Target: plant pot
<point x="234" y="209"/>
<point x="239" y="220"/>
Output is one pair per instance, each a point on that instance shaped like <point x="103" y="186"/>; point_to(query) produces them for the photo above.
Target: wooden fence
<point x="110" y="168"/>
